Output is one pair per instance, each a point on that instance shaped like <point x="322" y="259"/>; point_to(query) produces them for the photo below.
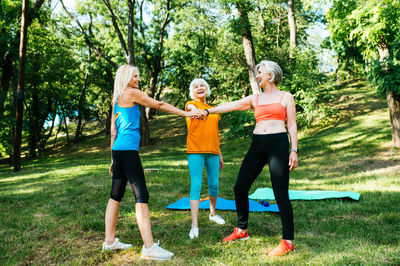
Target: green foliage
<point x="240" y="123"/>
<point x="6" y="135"/>
<point x="385" y="75"/>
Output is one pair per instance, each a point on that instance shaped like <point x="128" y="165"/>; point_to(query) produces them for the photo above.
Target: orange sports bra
<point x="271" y="111"/>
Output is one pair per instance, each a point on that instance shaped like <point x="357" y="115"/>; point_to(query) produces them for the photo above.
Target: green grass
<point x="52" y="211"/>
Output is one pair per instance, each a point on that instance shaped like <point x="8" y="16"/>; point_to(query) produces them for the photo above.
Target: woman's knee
<point x="213" y="191"/>
<point x="195" y="194"/>
<point x="140" y="191"/>
<point x="142" y="197"/>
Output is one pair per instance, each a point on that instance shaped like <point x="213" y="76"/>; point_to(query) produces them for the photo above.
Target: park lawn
<point x="52" y="211"/>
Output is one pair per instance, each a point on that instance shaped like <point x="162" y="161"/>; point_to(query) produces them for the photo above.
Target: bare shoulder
<point x="133" y="92"/>
<point x="288" y="96"/>
<point x="251" y="100"/>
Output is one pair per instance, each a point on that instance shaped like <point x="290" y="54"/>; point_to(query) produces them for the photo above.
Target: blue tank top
<point x="127" y="120"/>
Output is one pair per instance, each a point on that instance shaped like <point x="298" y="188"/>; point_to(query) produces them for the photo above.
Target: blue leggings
<point x="196" y="163"/>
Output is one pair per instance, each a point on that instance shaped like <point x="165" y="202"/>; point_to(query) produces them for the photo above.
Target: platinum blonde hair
<point x="197" y="81"/>
<point x="122" y="78"/>
<point x="273" y="68"/>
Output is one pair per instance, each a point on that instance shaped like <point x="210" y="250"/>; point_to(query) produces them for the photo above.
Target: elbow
<point x="113" y="134"/>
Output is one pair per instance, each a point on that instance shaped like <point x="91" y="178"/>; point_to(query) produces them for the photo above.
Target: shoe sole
<point x="153" y="258"/>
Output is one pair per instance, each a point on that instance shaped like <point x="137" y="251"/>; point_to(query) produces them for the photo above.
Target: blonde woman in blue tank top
<point x="125" y="161"/>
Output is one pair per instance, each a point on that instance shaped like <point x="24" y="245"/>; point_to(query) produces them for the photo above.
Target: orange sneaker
<point x="236" y="236"/>
<point x="283" y="248"/>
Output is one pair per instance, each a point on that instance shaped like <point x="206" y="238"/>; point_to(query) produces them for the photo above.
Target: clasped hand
<point x="198" y="114"/>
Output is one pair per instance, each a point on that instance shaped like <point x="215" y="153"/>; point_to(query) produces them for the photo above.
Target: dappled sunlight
<point x="28" y="190"/>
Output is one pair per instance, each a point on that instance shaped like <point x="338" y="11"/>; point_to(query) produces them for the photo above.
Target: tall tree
<point x="244" y="7"/>
<point x="153" y="56"/>
<point x="21" y="87"/>
<point x="128" y="50"/>
<point x="292" y="27"/>
<point x="373" y="28"/>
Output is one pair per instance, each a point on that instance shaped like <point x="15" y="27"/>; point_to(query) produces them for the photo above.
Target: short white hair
<point x="273" y="68"/>
<point x="122" y="78"/>
<point x="197" y="81"/>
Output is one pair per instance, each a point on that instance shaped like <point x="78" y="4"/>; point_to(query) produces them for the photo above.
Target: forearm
<point x="224" y="108"/>
<point x="113" y="137"/>
<point x="292" y="129"/>
<point x="168" y="108"/>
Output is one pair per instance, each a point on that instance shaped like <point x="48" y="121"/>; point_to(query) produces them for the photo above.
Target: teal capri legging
<point x="196" y="163"/>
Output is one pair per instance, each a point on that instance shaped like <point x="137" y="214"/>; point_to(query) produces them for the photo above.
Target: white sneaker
<point x="194" y="232"/>
<point x="116" y="245"/>
<point x="156" y="253"/>
<point x="216" y="218"/>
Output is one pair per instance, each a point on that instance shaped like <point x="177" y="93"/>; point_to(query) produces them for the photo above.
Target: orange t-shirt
<point x="202" y="136"/>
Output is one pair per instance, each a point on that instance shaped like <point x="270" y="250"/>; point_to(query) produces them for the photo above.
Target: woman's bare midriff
<point x="269" y="127"/>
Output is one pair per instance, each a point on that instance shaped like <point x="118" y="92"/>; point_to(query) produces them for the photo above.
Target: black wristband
<point x="208" y="112"/>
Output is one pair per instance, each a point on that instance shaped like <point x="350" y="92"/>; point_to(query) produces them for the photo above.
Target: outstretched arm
<point x="140" y="97"/>
<point x="240" y="105"/>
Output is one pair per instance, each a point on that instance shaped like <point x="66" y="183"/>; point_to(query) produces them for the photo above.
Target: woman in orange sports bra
<point x="274" y="111"/>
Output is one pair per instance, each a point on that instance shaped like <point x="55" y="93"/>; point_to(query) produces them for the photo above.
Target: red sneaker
<point x="283" y="248"/>
<point x="236" y="236"/>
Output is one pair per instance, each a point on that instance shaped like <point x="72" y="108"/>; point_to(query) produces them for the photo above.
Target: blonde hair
<point x="273" y="68"/>
<point x="122" y="78"/>
<point x="197" y="81"/>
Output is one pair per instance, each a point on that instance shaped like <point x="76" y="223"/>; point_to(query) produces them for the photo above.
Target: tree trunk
<point x="394" y="111"/>
<point x="34" y="123"/>
<point x="393" y="100"/>
<point x="278" y="31"/>
<point x="152" y="92"/>
<point x="58" y="131"/>
<point x="144" y="127"/>
<point x="66" y="129"/>
<point x="46" y="138"/>
<point x="78" y="131"/>
<point x="292" y="27"/>
<point x="248" y="47"/>
<point x="21" y="87"/>
<point x="107" y="130"/>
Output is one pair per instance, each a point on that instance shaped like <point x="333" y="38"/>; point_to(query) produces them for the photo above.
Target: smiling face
<point x="134" y="82"/>
<point x="199" y="90"/>
<point x="263" y="77"/>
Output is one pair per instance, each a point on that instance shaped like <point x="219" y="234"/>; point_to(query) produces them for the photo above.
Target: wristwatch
<point x="294" y="149"/>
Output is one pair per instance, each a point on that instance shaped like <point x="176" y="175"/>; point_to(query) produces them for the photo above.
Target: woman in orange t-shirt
<point x="203" y="149"/>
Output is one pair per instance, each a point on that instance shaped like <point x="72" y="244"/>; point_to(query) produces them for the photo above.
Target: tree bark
<point x="144" y="127"/>
<point x="394" y="111"/>
<point x="292" y="27"/>
<point x="66" y="129"/>
<point x="20" y="88"/>
<point x="81" y="104"/>
<point x="155" y="68"/>
<point x="34" y="123"/>
<point x="131" y="43"/>
<point x="247" y="41"/>
<point x="393" y="99"/>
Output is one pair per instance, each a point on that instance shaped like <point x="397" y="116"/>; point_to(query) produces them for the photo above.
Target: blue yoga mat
<point x="222" y="204"/>
<point x="268" y="194"/>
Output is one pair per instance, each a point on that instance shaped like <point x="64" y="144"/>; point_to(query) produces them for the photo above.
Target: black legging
<point x="271" y="149"/>
<point x="127" y="166"/>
